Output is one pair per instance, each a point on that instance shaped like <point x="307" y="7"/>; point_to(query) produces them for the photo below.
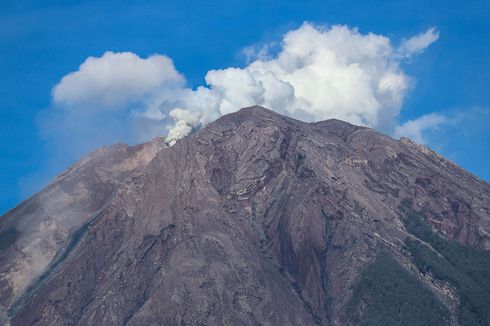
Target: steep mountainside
<point x="257" y="219"/>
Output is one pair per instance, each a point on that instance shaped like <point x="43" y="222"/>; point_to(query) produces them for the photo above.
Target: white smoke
<point x="318" y="73"/>
<point x="185" y="121"/>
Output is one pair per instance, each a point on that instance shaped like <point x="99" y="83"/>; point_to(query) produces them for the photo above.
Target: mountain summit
<point x="257" y="219"/>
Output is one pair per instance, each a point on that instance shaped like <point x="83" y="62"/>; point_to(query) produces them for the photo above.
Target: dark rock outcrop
<point x="257" y="219"/>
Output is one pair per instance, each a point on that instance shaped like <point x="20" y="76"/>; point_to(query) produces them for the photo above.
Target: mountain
<point x="257" y="219"/>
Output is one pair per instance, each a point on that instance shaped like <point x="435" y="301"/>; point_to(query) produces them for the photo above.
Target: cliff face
<point x="255" y="219"/>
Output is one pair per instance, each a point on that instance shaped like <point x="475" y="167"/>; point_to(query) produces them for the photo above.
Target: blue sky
<point x="42" y="41"/>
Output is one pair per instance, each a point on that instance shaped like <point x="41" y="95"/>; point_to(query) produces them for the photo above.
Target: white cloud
<point x="418" y="43"/>
<point x="415" y="129"/>
<point x="258" y="52"/>
<point x="320" y="73"/>
<point x="316" y="73"/>
<point x="115" y="79"/>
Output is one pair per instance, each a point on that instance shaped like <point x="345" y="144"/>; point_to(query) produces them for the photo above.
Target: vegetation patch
<point x="387" y="294"/>
<point x="464" y="267"/>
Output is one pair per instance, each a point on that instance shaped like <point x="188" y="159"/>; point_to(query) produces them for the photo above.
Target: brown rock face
<point x="257" y="219"/>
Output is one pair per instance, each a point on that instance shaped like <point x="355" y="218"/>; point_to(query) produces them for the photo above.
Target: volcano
<point x="256" y="219"/>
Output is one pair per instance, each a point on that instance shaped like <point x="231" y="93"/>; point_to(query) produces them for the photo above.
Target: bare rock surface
<point x="257" y="219"/>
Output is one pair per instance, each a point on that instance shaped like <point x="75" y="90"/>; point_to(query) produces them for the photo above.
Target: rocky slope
<point x="257" y="219"/>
